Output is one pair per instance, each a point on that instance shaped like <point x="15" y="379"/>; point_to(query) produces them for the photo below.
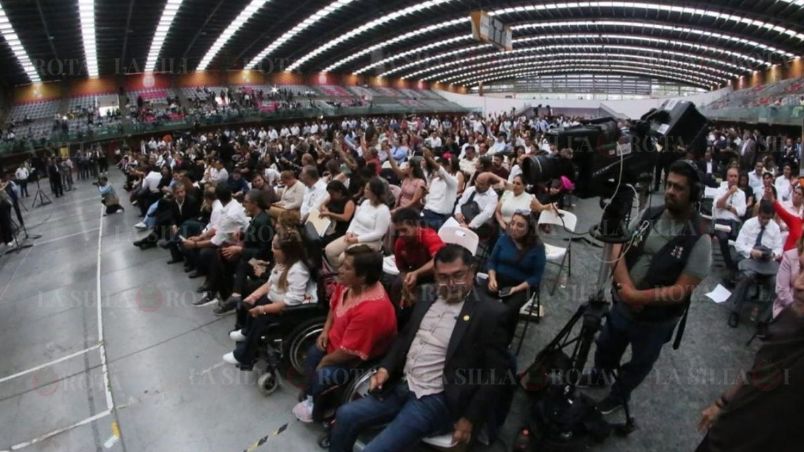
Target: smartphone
<point x="504" y="292"/>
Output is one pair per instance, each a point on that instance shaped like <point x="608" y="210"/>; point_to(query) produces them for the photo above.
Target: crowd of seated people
<point x="758" y="202"/>
<point x="269" y="216"/>
<point x="239" y="208"/>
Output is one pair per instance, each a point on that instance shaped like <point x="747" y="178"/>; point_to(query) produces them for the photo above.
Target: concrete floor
<point x="167" y="386"/>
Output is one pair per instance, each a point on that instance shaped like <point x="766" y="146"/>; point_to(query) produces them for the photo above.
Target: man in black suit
<point x="747" y="152"/>
<point x="179" y="208"/>
<point x="709" y="168"/>
<point x="54" y="175"/>
<point x="453" y="355"/>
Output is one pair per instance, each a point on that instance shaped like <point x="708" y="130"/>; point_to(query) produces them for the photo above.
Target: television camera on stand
<point x="615" y="164"/>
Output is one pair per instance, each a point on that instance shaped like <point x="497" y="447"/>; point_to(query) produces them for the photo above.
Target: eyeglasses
<point x="455" y="278"/>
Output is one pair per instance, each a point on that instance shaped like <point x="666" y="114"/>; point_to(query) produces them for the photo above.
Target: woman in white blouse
<point x="369" y="224"/>
<point x="514" y="200"/>
<point x="290" y="284"/>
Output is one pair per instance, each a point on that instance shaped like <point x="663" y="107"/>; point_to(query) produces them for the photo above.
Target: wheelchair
<point x="284" y="344"/>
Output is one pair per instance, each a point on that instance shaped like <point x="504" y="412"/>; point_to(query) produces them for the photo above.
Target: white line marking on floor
<point x="58" y="431"/>
<point x="50" y="363"/>
<point x="104" y="367"/>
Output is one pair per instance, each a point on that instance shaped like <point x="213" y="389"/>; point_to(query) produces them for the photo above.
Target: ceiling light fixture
<point x="595" y="71"/>
<point x="13" y="41"/>
<point x="238" y="23"/>
<point x="382" y="20"/>
<point x="86" y="12"/>
<point x="168" y="14"/>
<point x="596" y="60"/>
<point x="603" y="47"/>
<point x="585" y="5"/>
<point x="400" y="38"/>
<point x="293" y="32"/>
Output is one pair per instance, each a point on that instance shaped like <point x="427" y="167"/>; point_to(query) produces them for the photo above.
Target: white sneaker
<point x="237" y="336"/>
<point x="141" y="225"/>
<point x="304" y="410"/>
<point x="230" y="358"/>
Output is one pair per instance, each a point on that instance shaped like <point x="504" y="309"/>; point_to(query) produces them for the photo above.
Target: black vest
<point x="666" y="266"/>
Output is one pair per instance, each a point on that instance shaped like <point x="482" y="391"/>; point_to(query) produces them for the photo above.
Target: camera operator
<point x="654" y="281"/>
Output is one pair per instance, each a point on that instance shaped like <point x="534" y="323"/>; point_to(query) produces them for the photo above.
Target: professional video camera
<point x="611" y="161"/>
<point x="608" y="156"/>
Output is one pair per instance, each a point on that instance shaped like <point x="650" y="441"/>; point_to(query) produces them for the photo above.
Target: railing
<point x="128" y="128"/>
<point x="790" y="115"/>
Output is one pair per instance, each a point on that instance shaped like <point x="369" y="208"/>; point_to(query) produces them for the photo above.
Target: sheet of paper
<point x="719" y="294"/>
<point x="320" y="224"/>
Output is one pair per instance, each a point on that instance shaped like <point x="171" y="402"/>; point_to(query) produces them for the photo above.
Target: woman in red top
<point x="794" y="222"/>
<point x="360" y="326"/>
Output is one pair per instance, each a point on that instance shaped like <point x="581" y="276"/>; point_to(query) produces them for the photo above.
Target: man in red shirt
<point x="414" y="249"/>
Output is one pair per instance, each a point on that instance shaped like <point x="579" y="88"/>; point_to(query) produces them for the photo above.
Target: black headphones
<point x="688" y="169"/>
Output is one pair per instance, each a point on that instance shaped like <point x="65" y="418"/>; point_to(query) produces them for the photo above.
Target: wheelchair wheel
<point x="300" y="340"/>
<point x="358" y="387"/>
<point x="268" y="382"/>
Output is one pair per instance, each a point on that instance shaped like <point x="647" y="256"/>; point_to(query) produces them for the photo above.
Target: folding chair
<point x="556" y="254"/>
<point x="531" y="310"/>
<point x="459" y="236"/>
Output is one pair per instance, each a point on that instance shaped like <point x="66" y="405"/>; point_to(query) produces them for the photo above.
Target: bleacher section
<point x="34" y="110"/>
<point x="303" y="102"/>
<point x="155" y="96"/>
<point x="783" y="93"/>
<point x="774" y="103"/>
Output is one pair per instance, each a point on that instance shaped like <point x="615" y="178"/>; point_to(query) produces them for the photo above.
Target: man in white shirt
<point x="434" y="141"/>
<point x="314" y="194"/>
<point x="486" y="200"/>
<point x="755" y="178"/>
<point x="729" y="207"/>
<point x="784" y="185"/>
<point x="468" y="162"/>
<point x="499" y="145"/>
<point x="218" y="174"/>
<point x="22" y="175"/>
<point x="759" y="245"/>
<point x="441" y="194"/>
<point x="273" y="134"/>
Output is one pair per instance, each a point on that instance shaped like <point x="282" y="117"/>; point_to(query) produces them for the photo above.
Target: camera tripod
<point x="563" y="414"/>
<point x="40" y="196"/>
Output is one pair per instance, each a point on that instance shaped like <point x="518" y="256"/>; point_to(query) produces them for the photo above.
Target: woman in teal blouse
<point x="517" y="262"/>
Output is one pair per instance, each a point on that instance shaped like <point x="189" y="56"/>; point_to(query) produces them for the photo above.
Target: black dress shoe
<point x="734" y="319"/>
<point x="203" y="288"/>
<point x="195" y="274"/>
<point x="175" y="261"/>
<point x="188" y="268"/>
<point x="147" y="244"/>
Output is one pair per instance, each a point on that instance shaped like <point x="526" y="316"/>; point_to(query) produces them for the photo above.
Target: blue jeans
<point x="434" y="220"/>
<point x="319" y="380"/>
<point x="411" y="419"/>
<point x="646" y="340"/>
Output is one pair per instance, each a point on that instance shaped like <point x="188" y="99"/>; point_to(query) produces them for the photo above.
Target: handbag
<point x="470" y="209"/>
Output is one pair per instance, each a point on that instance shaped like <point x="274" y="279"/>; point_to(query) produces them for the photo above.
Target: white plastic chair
<point x="459" y="236"/>
<point x="559" y="255"/>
